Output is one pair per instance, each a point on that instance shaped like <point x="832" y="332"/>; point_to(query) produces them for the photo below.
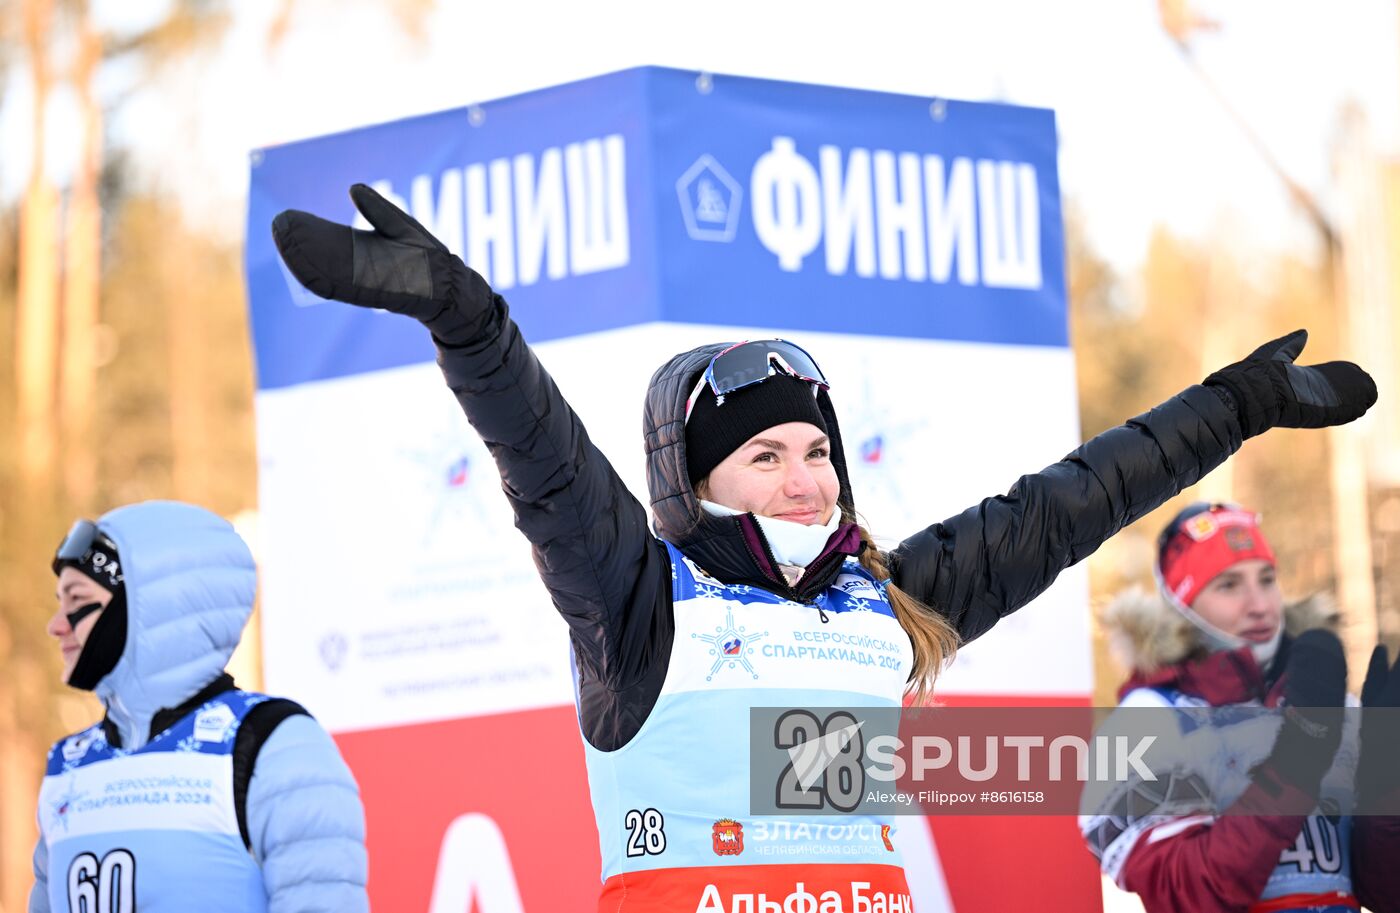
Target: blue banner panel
<point x="656" y="194"/>
<point x="540" y="192"/>
<point x="856" y="212"/>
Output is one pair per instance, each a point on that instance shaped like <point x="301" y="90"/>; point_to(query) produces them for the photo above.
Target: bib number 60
<point x="108" y="886"/>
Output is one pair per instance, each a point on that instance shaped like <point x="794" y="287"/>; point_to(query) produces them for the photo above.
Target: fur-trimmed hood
<point x="1146" y="634"/>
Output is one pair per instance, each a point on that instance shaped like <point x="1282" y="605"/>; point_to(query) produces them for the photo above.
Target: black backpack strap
<point x="257" y="725"/>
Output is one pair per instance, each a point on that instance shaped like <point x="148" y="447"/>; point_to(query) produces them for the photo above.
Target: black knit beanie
<point x="714" y="432"/>
<point x="100" y="563"/>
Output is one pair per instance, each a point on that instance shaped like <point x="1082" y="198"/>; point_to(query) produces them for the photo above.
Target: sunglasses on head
<point x="76" y="544"/>
<point x="74" y="548"/>
<point x="747" y="363"/>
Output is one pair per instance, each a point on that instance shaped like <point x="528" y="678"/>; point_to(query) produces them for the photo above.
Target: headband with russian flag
<point x="1206" y="544"/>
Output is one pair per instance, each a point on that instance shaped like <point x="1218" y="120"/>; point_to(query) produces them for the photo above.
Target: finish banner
<point x="914" y="246"/>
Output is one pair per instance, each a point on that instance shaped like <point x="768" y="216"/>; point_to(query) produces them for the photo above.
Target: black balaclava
<point x="107" y="639"/>
<point x="713" y="432"/>
<point x="104" y="645"/>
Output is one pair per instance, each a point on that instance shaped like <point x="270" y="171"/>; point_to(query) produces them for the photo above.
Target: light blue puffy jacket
<point x="190" y="582"/>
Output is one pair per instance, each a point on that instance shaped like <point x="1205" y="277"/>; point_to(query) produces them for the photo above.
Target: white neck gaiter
<point x="1215" y="638"/>
<point x="794" y="544"/>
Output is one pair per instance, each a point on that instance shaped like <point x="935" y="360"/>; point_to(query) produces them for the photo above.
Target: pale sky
<point x="1142" y="141"/>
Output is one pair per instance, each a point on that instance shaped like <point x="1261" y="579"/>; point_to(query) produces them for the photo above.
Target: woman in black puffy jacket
<point x="758" y="587"/>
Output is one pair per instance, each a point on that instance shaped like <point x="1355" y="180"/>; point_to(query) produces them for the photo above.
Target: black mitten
<point x="1378" y="775"/>
<point x="1270" y="391"/>
<point x="1314" y="693"/>
<point x="399" y="266"/>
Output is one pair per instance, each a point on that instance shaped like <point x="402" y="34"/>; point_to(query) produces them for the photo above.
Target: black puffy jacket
<point x="610" y="577"/>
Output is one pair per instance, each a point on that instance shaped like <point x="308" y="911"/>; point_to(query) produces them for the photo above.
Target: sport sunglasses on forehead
<point x="76" y="544"/>
<point x="74" y="547"/>
<point x="747" y="363"/>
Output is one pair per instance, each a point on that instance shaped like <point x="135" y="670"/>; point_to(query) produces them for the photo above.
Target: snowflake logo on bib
<point x="63" y="805"/>
<point x="731" y="645"/>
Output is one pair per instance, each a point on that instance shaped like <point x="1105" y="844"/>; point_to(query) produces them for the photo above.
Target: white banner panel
<point x="421" y="599"/>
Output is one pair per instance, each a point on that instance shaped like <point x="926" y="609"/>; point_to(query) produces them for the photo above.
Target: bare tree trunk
<point x="36" y="330"/>
<point x="82" y="283"/>
<point x="189" y="401"/>
<point x="36" y="357"/>
<point x="1218" y="347"/>
<point x="1351" y="515"/>
<point x="36" y="324"/>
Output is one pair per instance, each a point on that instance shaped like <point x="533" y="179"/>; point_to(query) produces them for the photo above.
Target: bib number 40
<point x="106" y="886"/>
<point x="1318" y="848"/>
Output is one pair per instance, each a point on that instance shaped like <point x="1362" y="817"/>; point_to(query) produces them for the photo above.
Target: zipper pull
<point x="822" y="615"/>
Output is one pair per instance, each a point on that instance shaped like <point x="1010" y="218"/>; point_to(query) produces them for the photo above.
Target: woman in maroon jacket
<point x="1268" y="830"/>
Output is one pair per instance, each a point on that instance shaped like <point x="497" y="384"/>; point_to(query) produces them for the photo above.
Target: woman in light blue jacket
<point x="189" y="794"/>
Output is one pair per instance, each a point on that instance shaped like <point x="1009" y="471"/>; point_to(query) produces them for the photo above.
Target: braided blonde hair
<point x="935" y="641"/>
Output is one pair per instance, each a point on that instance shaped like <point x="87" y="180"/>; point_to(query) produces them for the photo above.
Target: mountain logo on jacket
<point x="731" y="645"/>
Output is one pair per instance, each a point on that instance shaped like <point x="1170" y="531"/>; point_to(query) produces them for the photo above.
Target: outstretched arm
<point x="993" y="558"/>
<point x="607" y="575"/>
<point x="982" y="565"/>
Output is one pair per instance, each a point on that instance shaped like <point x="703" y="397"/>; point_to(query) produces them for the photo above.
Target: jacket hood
<point x="1162" y="647"/>
<point x="190" y="584"/>
<point x="723" y="546"/>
